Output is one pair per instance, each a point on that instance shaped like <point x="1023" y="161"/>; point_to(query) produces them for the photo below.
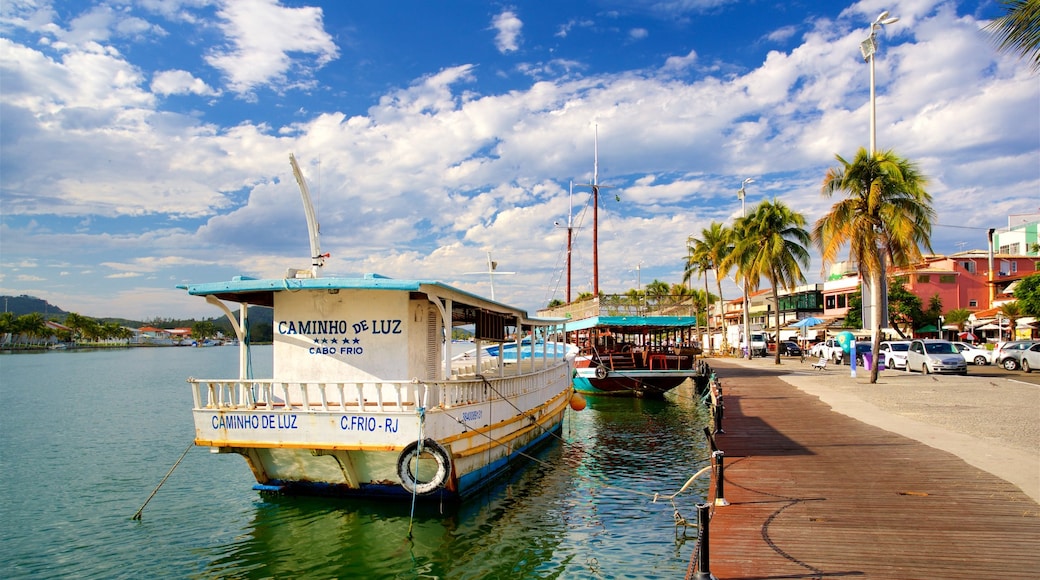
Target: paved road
<point x="991" y="371"/>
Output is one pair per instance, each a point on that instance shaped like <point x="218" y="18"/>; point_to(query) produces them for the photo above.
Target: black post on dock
<point x="720" y="497"/>
<point x="703" y="520"/>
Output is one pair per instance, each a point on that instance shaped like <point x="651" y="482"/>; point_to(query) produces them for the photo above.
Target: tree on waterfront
<point x="1027" y="294"/>
<point x="202" y="330"/>
<point x="772" y="245"/>
<point x="714" y="246"/>
<point x="1018" y="30"/>
<point x="885" y="218"/>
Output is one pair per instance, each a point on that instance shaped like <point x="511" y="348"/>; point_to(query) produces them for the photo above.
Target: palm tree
<point x="774" y="247"/>
<point x="1012" y="312"/>
<point x="699" y="261"/>
<point x="656" y="291"/>
<point x="886" y="207"/>
<point x="958" y="317"/>
<point x="1018" y="31"/>
<point x="715" y="243"/>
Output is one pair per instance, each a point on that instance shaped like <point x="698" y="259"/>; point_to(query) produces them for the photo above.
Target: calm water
<point x="86" y="436"/>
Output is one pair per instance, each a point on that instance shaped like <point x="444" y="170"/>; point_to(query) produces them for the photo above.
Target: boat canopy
<point x="466" y="309"/>
<point x="645" y="321"/>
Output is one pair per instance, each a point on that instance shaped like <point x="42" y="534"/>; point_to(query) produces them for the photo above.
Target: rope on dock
<point x="137" y="515"/>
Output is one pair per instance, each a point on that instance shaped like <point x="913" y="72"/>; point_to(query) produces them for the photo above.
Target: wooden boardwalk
<point x="816" y="494"/>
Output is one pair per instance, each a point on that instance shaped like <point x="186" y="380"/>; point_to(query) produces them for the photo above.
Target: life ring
<point x="404" y="467"/>
<point x="601" y="372"/>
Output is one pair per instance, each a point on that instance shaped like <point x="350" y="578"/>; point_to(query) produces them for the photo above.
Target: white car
<point x="973" y="354"/>
<point x="893" y="353"/>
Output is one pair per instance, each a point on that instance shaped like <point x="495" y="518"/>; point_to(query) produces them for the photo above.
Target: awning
<point x="927" y="328"/>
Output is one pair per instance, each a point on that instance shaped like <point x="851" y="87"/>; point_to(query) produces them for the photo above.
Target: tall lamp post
<point x="741" y="195"/>
<point x="869" y="49"/>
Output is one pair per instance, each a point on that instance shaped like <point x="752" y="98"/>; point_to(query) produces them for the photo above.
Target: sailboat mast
<point x="595" y="217"/>
<point x="570" y="237"/>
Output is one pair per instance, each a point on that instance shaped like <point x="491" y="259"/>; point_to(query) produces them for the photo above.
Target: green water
<point x="86" y="436"/>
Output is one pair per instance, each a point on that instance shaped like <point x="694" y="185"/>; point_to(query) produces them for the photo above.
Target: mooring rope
<point x="137" y="515"/>
<point x="418" y="450"/>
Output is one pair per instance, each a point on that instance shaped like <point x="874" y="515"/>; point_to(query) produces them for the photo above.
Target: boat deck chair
<point x="820" y="364"/>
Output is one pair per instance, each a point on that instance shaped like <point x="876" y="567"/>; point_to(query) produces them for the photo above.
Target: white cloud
<point x="180" y="82"/>
<point x="508" y="27"/>
<point x="262" y="34"/>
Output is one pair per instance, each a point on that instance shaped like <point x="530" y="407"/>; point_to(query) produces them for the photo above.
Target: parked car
<point x="973" y="354"/>
<point x="829" y="349"/>
<point x="893" y="353"/>
<point x="862" y="348"/>
<point x="1030" y="358"/>
<point x="1007" y="353"/>
<point x="790" y="348"/>
<point x="935" y="356"/>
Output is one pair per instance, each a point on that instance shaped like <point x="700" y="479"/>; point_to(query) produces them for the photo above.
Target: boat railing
<point x="365" y="396"/>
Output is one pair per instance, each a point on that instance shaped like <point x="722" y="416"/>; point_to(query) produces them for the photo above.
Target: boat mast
<point x="570" y="237"/>
<point x="313" y="228"/>
<point x="595" y="217"/>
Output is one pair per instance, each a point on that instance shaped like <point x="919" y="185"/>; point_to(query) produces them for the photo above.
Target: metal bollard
<point x="703" y="520"/>
<point x="720" y="497"/>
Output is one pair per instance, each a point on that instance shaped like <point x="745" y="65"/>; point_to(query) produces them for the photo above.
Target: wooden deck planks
<point x="816" y="494"/>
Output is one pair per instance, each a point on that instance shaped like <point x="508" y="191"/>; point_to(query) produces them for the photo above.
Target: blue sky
<point x="144" y="144"/>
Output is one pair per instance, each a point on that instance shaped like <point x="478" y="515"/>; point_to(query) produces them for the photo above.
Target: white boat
<point x="365" y="398"/>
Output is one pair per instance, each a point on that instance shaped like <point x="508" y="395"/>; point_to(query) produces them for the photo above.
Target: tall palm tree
<point x="773" y="247"/>
<point x="699" y="261"/>
<point x="717" y="245"/>
<point x="1018" y="31"/>
<point x="885" y="218"/>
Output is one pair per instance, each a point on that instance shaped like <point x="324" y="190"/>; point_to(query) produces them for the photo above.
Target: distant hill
<point x="22" y="305"/>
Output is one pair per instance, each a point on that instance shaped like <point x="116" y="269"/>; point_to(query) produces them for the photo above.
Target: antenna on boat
<point x="313" y="228"/>
<point x="492" y="266"/>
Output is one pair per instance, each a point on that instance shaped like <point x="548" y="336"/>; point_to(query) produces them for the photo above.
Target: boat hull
<point x="331" y="446"/>
<point x="632" y="383"/>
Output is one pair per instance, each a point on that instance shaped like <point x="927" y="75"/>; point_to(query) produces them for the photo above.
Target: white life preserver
<point x="404" y="467"/>
<point x="601" y="372"/>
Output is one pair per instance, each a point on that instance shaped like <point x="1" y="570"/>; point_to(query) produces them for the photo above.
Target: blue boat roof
<point x="647" y="321"/>
<point x="260" y="291"/>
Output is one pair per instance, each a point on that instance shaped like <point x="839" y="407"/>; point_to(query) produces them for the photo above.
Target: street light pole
<point x="741" y="195"/>
<point x="869" y="48"/>
<point x="879" y="295"/>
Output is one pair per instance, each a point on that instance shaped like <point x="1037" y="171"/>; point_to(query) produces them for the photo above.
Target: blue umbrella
<point x="807" y="322"/>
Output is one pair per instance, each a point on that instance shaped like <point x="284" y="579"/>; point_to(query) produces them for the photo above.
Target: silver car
<point x="1008" y="353"/>
<point x="1030" y="358"/>
<point x="935" y="356"/>
<point x="1011" y="353"/>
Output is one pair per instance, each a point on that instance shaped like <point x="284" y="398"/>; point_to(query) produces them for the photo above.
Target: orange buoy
<point x="577" y="402"/>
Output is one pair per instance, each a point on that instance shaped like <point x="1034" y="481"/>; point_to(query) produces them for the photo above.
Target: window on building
<point x="973" y="304"/>
<point x="1014" y="266"/>
<point x="969" y="266"/>
<point x="947" y="279"/>
<point x="923" y="278"/>
<point x="842" y="301"/>
<point x="829" y="303"/>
